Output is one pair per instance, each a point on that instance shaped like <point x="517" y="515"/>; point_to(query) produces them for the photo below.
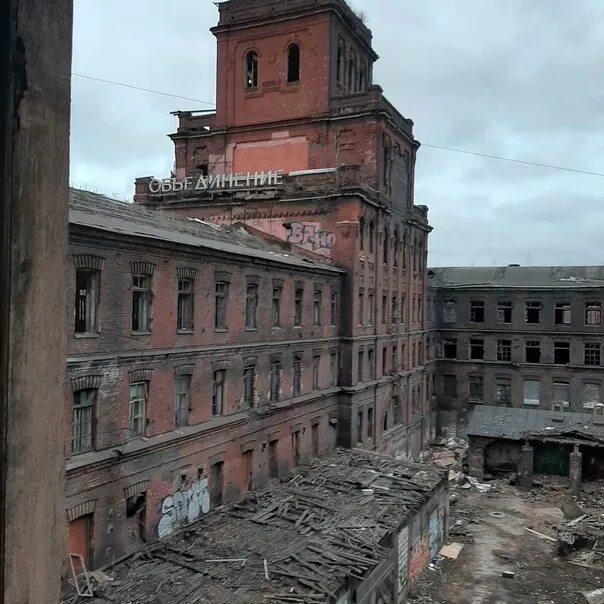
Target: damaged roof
<point x="316" y="532"/>
<point x="533" y="277"/>
<point x="99" y="212"/>
<point x="518" y="423"/>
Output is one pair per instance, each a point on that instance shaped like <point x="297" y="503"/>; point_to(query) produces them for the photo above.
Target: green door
<point x="552" y="458"/>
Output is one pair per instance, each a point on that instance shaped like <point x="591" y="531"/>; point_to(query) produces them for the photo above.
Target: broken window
<point x="371" y="363"/>
<point x="140" y="303"/>
<point x="476" y="387"/>
<point x="137" y="408"/>
<point x="297" y="376"/>
<point x="316" y="366"/>
<point x="317" y="307"/>
<point x="361" y="307"/>
<point x="450" y="348"/>
<point x="334" y="309"/>
<point x="136" y="506"/>
<point x="293" y="63"/>
<point x="503" y="391"/>
<point x="370" y="422"/>
<point x="450" y="311"/>
<point x="251" y="70"/>
<point x="504" y="350"/>
<point x="591" y="395"/>
<point x="476" y="349"/>
<point x="360" y="363"/>
<point x="371" y="308"/>
<point x="593" y="313"/>
<point x="450" y="386"/>
<point x="218" y="392"/>
<point x="561" y="353"/>
<point x="275" y="381"/>
<point x="531" y="392"/>
<point x="86" y="301"/>
<point x="249" y="384"/>
<point x="504" y="313"/>
<point x="532" y="351"/>
<point x="251" y="306"/>
<point x="181" y="400"/>
<point x="476" y="311"/>
<point x="533" y="312"/>
<point x="298" y="301"/>
<point x="359" y="427"/>
<point x="384" y="308"/>
<point x="562" y="393"/>
<point x="276" y="306"/>
<point x="592" y="354"/>
<point x="222" y="290"/>
<point x="185" y="305"/>
<point x="562" y="314"/>
<point x="84" y="402"/>
<point x="333" y="368"/>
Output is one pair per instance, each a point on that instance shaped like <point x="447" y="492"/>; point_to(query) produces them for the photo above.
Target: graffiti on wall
<point x="419" y="558"/>
<point x="403" y="558"/>
<point x="434" y="532"/>
<point x="310" y="236"/>
<point x="184" y="507"/>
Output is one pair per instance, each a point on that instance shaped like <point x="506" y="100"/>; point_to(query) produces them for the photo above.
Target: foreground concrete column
<point x="525" y="468"/>
<point x="576" y="462"/>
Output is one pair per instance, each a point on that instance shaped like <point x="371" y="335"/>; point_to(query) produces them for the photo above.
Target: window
<point x="562" y="314"/>
<point x="218" y="392"/>
<point x="385" y="308"/>
<point x="248" y="470"/>
<point x="591" y="395"/>
<point x="352" y="72"/>
<point x="450" y="348"/>
<point x="532" y="351"/>
<point x="397" y="249"/>
<point x="450" y="386"/>
<point x="504" y="350"/>
<point x="251" y="70"/>
<point x="275" y="381"/>
<point x="181" y="400"/>
<point x="386" y="421"/>
<point x="316" y="366"/>
<point x="293" y="63"/>
<point x="450" y="311"/>
<point x="86" y="301"/>
<point x="360" y="427"/>
<point x="562" y="393"/>
<point x="403" y="317"/>
<point x="315" y="440"/>
<point x="360" y="363"/>
<point x="216" y="483"/>
<point x="503" y="391"/>
<point x="370" y="422"/>
<point x="476" y="311"/>
<point x="384" y="360"/>
<point x="222" y="290"/>
<point x="297" y="376"/>
<point x="251" y="306"/>
<point x="504" y="313"/>
<point x="371" y="308"/>
<point x="249" y="384"/>
<point x="273" y="459"/>
<point x="476" y="387"/>
<point x="83" y="421"/>
<point x="371" y="362"/>
<point x="561" y="353"/>
<point x="394" y="310"/>
<point x="385" y="247"/>
<point x="317" y="307"/>
<point x="476" y="349"/>
<point x="333" y="368"/>
<point x="296" y="447"/>
<point x="592" y="354"/>
<point x="140" y="303"/>
<point x="298" y="301"/>
<point x="593" y="313"/>
<point x="403" y="357"/>
<point x="341" y="58"/>
<point x="371" y="236"/>
<point x="394" y="357"/>
<point x="137" y="408"/>
<point x="361" y="233"/>
<point x="276" y="307"/>
<point x="531" y="392"/>
<point x="414" y="356"/>
<point x="362" y="78"/>
<point x="185" y="305"/>
<point x="361" y="307"/>
<point x="533" y="312"/>
<point x="334" y="309"/>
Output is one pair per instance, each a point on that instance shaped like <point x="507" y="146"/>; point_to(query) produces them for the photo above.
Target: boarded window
<point x="276" y="307"/>
<point x="476" y="349"/>
<point x="593" y="313"/>
<point x="84" y="403"/>
<point x="297" y="377"/>
<point x="591" y="395"/>
<point x="450" y="348"/>
<point x="533" y="312"/>
<point x="251" y="306"/>
<point x="222" y="291"/>
<point x="218" y="392"/>
<point x="476" y="387"/>
<point x="532" y="353"/>
<point x="86" y="301"/>
<point x="503" y="391"/>
<point x="140" y="303"/>
<point x="504" y="313"/>
<point x="275" y="381"/>
<point x="298" y="301"/>
<point x="251" y="70"/>
<point x="562" y="393"/>
<point x="137" y="408"/>
<point x="531" y="392"/>
<point x="592" y="354"/>
<point x="450" y="386"/>
<point x="185" y="305"/>
<point x="450" y="311"/>
<point x="316" y="365"/>
<point x="181" y="400"/>
<point x="317" y="307"/>
<point x="562" y="315"/>
<point x="293" y="63"/>
<point x="504" y="350"/>
<point x="477" y="311"/>
<point x="561" y="353"/>
<point x="249" y="385"/>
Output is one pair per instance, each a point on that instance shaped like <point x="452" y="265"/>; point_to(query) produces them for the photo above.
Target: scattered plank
<point x="538" y="534"/>
<point x="451" y="551"/>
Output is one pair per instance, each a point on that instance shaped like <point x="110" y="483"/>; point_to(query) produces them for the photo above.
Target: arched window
<point x="397" y="250"/>
<point x="361" y="233"/>
<point x="371" y="236"/>
<point x="293" y="63"/>
<point x="251" y="69"/>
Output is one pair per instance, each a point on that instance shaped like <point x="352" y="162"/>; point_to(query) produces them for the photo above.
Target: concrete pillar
<point x="476" y="460"/>
<point x="525" y="468"/>
<point x="576" y="461"/>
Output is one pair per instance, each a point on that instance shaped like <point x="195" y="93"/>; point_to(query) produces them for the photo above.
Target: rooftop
<point x="524" y="277"/>
<point x="309" y="535"/>
<point x="99" y="212"/>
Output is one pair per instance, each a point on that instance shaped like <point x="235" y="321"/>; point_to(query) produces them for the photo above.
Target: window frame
<point x="181" y="416"/>
<point x="252" y="297"/>
<point x="78" y="410"/>
<point x="249" y="385"/>
<point x="218" y="392"/>
<point x="184" y="299"/>
<point x="90" y="301"/>
<point x="141" y="403"/>
<point x="251" y="70"/>
<point x="290" y="71"/>
<point x="221" y="298"/>
<point x="275" y="382"/>
<point x="141" y="295"/>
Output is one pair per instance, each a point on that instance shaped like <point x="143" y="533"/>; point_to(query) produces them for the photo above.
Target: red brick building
<point x="281" y="314"/>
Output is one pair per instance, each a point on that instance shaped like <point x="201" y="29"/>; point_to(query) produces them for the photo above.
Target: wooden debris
<point x="546" y="537"/>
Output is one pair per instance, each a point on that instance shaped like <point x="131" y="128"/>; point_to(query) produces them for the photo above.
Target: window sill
<point x="184" y="332"/>
<point x="140" y="333"/>
<point x="86" y="336"/>
<point x="221" y="330"/>
<point x="251" y="329"/>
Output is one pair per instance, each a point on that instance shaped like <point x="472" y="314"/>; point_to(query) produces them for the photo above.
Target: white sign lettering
<point x="217" y="182"/>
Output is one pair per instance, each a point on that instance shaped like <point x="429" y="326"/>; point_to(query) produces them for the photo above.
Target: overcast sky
<point x="515" y="78"/>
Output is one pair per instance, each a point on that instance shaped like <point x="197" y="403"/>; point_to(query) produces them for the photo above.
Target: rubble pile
<point x="449" y="454"/>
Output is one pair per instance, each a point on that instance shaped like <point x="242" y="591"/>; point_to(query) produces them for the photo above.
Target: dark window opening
<point x="299" y="297"/>
<point x="297" y="377"/>
<point x="561" y="353"/>
<point x="316" y="366"/>
<point x="371" y="236"/>
<point x="385" y="308"/>
<point x="249" y="385"/>
<point x="361" y="308"/>
<point x="362" y="78"/>
<point x="384" y="360"/>
<point x="86" y="301"/>
<point x="533" y="312"/>
<point x="394" y="358"/>
<point x="276" y="308"/>
<point x="386" y="246"/>
<point x="476" y="387"/>
<point x="251" y="70"/>
<point x="275" y="382"/>
<point x="562" y="315"/>
<point x="334" y="309"/>
<point x="82" y="429"/>
<point x="504" y="313"/>
<point x="504" y="350"/>
<point x="218" y="392"/>
<point x="592" y="354"/>
<point x="216" y="483"/>
<point x="341" y="58"/>
<point x="222" y="290"/>
<point x="185" y="305"/>
<point x="317" y="307"/>
<point x="315" y="440"/>
<point x="371" y="363"/>
<point x="140" y="303"/>
<point x="371" y="309"/>
<point x="450" y="348"/>
<point x="532" y="351"/>
<point x="359" y="427"/>
<point x="293" y="63"/>
<point x="477" y="312"/>
<point x="360" y="363"/>
<point x="296" y="447"/>
<point x="503" y="391"/>
<point x="386" y="422"/>
<point x="136" y="506"/>
<point x="477" y="349"/>
<point x="248" y="471"/>
<point x="273" y="459"/>
<point x="334" y="368"/>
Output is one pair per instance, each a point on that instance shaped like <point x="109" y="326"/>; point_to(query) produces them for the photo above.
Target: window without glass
<point x="371" y="362"/>
<point x="360" y="427"/>
<point x="450" y="348"/>
<point x="371" y="308"/>
<point x="293" y="63"/>
<point x="371" y="236"/>
<point x="361" y="308"/>
<point x="592" y="354"/>
<point x="593" y="313"/>
<point x="360" y="363"/>
<point x="276" y="305"/>
<point x="561" y="353"/>
<point x="384" y="308"/>
<point x="137" y="408"/>
<point x="296" y="447"/>
<point x="477" y="311"/>
<point x="334" y="309"/>
<point x="251" y="306"/>
<point x="82" y="438"/>
<point x="562" y="314"/>
<point x="275" y="381"/>
<point x="317" y="306"/>
<point x="140" y="303"/>
<point x="394" y="310"/>
<point x="218" y="392"/>
<point x="591" y="395"/>
<point x="352" y="72"/>
<point x="504" y="313"/>
<point x="532" y="351"/>
<point x="297" y="376"/>
<point x="185" y="305"/>
<point x="251" y="70"/>
<point x="476" y="387"/>
<point x="450" y="386"/>
<point x="533" y="312"/>
<point x="562" y="393"/>
<point x="362" y="78"/>
<point x="384" y="360"/>
<point x="248" y="470"/>
<point x="503" y="391"/>
<point x="298" y="300"/>
<point x="361" y="233"/>
<point x="86" y="301"/>
<point x="333" y="368"/>
<point x="531" y="392"/>
<point x="403" y="316"/>
<point x="222" y="290"/>
<point x="504" y="350"/>
<point x="394" y="357"/>
<point x="341" y="59"/>
<point x="385" y="246"/>
<point x="476" y="349"/>
<point x="316" y="366"/>
<point x="249" y="385"/>
<point x="181" y="400"/>
<point x="450" y="311"/>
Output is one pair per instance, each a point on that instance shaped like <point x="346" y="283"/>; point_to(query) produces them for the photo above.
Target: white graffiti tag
<point x="184" y="507"/>
<point x="310" y="235"/>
